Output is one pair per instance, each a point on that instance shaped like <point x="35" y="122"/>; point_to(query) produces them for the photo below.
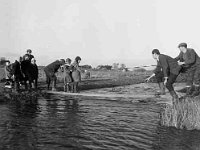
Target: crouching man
<point x="189" y="60"/>
<point x="50" y="71"/>
<point x="170" y="69"/>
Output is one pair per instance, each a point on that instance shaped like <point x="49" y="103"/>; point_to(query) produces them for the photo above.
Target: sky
<point x="101" y="32"/>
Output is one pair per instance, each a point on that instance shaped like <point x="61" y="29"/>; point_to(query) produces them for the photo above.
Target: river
<point x="60" y="123"/>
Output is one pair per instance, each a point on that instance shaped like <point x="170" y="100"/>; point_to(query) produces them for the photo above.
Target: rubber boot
<point x="162" y="88"/>
<point x="174" y="97"/>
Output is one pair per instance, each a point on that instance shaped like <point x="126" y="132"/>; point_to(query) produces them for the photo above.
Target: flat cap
<point x="182" y="45"/>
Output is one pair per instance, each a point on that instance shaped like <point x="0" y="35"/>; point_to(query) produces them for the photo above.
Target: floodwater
<point x="60" y="123"/>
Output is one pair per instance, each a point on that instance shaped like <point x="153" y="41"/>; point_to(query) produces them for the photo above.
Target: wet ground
<point x="61" y="122"/>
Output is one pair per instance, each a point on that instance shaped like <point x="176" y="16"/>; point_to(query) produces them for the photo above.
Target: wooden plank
<point x="107" y="95"/>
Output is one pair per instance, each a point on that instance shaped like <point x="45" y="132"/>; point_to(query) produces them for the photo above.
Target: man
<point x="28" y="54"/>
<point x="170" y="70"/>
<point x="50" y="71"/>
<point x="158" y="73"/>
<point x="26" y="70"/>
<point x="190" y="63"/>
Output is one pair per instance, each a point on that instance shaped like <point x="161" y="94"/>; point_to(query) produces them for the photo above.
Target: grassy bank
<point x="185" y="114"/>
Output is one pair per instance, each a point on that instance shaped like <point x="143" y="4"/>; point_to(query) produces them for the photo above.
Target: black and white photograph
<point x="99" y="75"/>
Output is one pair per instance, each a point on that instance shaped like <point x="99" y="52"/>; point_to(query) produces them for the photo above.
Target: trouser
<point x="192" y="75"/>
<point x="171" y="79"/>
<point x="159" y="77"/>
<point x="50" y="76"/>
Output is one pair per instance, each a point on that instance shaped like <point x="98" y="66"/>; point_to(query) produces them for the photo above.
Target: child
<point x="8" y="74"/>
<point x="67" y="75"/>
<point x="34" y="70"/>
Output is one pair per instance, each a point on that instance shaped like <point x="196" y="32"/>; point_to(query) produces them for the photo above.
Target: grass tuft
<point x="185" y="114"/>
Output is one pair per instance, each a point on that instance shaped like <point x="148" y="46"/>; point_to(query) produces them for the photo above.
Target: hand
<point x="165" y="81"/>
<point x="181" y="63"/>
<point x="147" y="79"/>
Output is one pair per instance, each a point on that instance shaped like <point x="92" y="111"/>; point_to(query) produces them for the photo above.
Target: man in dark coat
<point x="26" y="70"/>
<point x="189" y="60"/>
<point x="170" y="69"/>
<point x="50" y="71"/>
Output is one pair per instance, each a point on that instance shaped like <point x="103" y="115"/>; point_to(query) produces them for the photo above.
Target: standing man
<point x="189" y="60"/>
<point x="170" y="70"/>
<point x="50" y="71"/>
<point x="28" y="54"/>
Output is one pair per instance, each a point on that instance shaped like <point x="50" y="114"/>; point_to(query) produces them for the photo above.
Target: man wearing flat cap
<point x="189" y="60"/>
<point x="28" y="54"/>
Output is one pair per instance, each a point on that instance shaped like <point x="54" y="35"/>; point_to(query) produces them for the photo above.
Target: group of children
<point x="22" y="70"/>
<point x="71" y="74"/>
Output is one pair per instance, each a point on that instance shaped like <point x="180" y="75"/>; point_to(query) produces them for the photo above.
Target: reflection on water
<point x="64" y="123"/>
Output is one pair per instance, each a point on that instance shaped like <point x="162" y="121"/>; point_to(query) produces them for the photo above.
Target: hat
<point x="182" y="45"/>
<point x="29" y="50"/>
<point x="78" y="58"/>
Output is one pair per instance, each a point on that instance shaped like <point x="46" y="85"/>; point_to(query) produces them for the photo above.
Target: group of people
<point x="22" y="71"/>
<point x="25" y="72"/>
<point x="71" y="74"/>
<point x="169" y="68"/>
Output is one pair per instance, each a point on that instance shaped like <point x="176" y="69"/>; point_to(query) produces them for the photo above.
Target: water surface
<point x="59" y="122"/>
